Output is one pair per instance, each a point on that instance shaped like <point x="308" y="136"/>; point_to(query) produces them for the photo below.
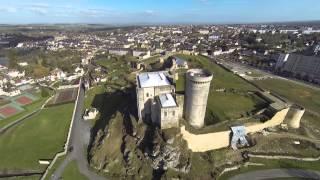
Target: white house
<point x="90" y="114"/>
<point x="23" y="64"/>
<point x="16" y="74"/>
<point x="11" y="93"/>
<point x="79" y="71"/>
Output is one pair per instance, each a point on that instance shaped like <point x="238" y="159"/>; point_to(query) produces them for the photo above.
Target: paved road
<point x="79" y="140"/>
<point x="244" y="68"/>
<point x="278" y="173"/>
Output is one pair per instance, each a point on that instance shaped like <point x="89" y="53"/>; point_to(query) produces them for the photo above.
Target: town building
<point x="306" y="67"/>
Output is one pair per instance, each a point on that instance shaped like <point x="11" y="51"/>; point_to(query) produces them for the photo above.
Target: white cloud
<point x="149" y="13"/>
<point x="8" y="9"/>
<point x="38" y="10"/>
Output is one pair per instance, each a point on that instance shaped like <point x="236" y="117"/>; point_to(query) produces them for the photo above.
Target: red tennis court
<point x="23" y="100"/>
<point x="8" y="111"/>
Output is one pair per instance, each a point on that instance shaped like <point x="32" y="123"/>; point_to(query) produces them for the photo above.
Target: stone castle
<point x="158" y="101"/>
<point x="159" y="104"/>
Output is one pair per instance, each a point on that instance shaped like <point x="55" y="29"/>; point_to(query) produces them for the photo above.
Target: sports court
<point x="24" y="99"/>
<point x="10" y="110"/>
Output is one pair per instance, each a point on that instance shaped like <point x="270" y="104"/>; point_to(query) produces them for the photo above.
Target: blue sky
<point x="157" y="11"/>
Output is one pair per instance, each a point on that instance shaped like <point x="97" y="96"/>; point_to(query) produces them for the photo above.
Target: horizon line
<point x="161" y="23"/>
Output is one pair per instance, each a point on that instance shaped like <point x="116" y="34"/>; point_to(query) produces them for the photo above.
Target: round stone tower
<point x="295" y="114"/>
<point x="196" y="95"/>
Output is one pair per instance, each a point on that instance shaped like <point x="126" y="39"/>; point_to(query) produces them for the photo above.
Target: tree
<point x="40" y="71"/>
<point x="13" y="59"/>
<point x="44" y="92"/>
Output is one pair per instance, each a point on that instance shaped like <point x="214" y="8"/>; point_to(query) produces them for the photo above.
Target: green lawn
<point x="273" y="164"/>
<point x="305" y="96"/>
<point x="90" y="95"/>
<point x="34" y="177"/>
<point x="223" y="106"/>
<point x="227" y="106"/>
<point x="221" y="77"/>
<point x="151" y="59"/>
<point x="180" y="83"/>
<point x="55" y="166"/>
<point x="71" y="172"/>
<point x="39" y="137"/>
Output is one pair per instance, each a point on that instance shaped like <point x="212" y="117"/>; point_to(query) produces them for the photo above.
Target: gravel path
<point x="278" y="173"/>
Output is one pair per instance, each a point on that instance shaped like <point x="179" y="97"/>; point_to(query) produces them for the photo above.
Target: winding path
<point x="278" y="173"/>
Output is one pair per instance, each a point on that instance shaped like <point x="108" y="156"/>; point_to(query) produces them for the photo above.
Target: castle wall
<point x="218" y="140"/>
<point x="180" y="102"/>
<point x="145" y="97"/>
<point x="169" y="117"/>
<point x="294" y="117"/>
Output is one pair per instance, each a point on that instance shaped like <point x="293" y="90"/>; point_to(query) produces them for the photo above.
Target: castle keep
<point x="157" y="100"/>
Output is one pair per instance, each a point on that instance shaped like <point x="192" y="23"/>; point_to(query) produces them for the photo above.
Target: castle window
<point x="147" y="95"/>
<point x="173" y="113"/>
<point x="165" y="114"/>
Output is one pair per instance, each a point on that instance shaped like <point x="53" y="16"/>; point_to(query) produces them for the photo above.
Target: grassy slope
<point x="37" y="138"/>
<point x="224" y="106"/>
<point x="271" y="164"/>
<point x="228" y="106"/>
<point x="307" y="97"/>
<point x="55" y="166"/>
<point x="221" y="77"/>
<point x="71" y="172"/>
<point x="34" y="177"/>
<point x="90" y="95"/>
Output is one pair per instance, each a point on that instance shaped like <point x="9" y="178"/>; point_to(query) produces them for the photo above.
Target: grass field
<point x="116" y="66"/>
<point x="272" y="164"/>
<point x="305" y="96"/>
<point x="228" y="106"/>
<point x="90" y="95"/>
<point x="39" y="137"/>
<point x="34" y="177"/>
<point x="223" y="106"/>
<point x="221" y="77"/>
<point x="151" y="59"/>
<point x="71" y="172"/>
<point x="54" y="167"/>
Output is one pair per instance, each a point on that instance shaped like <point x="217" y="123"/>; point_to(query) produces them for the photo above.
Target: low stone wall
<point x="68" y="87"/>
<point x="66" y="145"/>
<point x="308" y="159"/>
<point x="218" y="140"/>
<point x="276" y="120"/>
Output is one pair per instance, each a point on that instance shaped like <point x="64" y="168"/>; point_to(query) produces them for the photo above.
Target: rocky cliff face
<point x="127" y="149"/>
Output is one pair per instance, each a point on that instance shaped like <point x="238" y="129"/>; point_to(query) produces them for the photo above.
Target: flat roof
<point x="167" y="100"/>
<point x="153" y="79"/>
